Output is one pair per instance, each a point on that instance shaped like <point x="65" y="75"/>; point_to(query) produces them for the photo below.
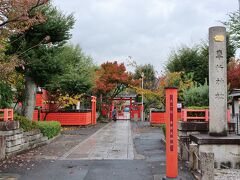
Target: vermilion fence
<point x="6" y="114"/>
<point x="160" y="117"/>
<point x="184" y="115"/>
<point x="157" y="118"/>
<point x="77" y="117"/>
<point x="67" y="118"/>
<point x="199" y="114"/>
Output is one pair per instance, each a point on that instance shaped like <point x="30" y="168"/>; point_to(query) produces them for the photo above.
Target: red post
<point x="171" y="134"/>
<point x="5" y="114"/>
<point x="228" y="115"/>
<point x="111" y="108"/>
<point x="93" y="116"/>
<point x="130" y="107"/>
<point x="184" y="114"/>
<point x="206" y="115"/>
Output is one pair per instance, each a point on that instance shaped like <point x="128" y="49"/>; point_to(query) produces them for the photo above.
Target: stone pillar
<point x="207" y="165"/>
<point x="217" y="82"/>
<point x="193" y="161"/>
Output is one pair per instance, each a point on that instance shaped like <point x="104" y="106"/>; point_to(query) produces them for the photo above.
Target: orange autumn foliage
<point x="112" y="78"/>
<point x="18" y="15"/>
<point x="233" y="73"/>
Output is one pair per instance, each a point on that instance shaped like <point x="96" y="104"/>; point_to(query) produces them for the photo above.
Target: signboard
<point x="171" y="133"/>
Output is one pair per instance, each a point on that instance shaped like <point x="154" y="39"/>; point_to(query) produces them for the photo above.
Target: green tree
<point x="194" y="60"/>
<point x="36" y="47"/>
<point x="233" y="28"/>
<point x="149" y="78"/>
<point x="6" y="95"/>
<point x="78" y="72"/>
<point x="189" y="60"/>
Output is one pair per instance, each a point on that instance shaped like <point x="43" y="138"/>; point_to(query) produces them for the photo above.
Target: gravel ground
<point x="227" y="174"/>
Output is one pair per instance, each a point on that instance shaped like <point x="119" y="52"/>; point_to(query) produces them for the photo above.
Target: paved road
<point x="118" y="151"/>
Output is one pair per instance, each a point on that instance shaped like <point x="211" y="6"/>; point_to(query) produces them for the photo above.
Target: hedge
<point x="25" y="123"/>
<point x="49" y="128"/>
<point x="163" y="127"/>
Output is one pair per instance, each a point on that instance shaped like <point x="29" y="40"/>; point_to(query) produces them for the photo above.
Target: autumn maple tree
<point x="233" y="74"/>
<point x="19" y="15"/>
<point x="16" y="16"/>
<point x="112" y="78"/>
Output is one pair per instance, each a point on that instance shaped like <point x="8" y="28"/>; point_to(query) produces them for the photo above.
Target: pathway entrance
<point x="106" y="154"/>
<point x="114" y="141"/>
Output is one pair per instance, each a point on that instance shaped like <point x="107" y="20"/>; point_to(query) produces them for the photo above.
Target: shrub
<point x="163" y="127"/>
<point x="49" y="128"/>
<point x="6" y="95"/>
<point x="197" y="96"/>
<point x="25" y="123"/>
<point x="198" y="107"/>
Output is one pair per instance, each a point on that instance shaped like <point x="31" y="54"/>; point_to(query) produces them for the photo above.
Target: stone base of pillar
<point x="185" y="129"/>
<point x="226" y="150"/>
<point x="207" y="165"/>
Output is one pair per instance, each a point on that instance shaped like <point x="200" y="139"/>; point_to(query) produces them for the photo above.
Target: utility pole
<point x="142" y="75"/>
<point x="239" y="8"/>
<point x="239" y="4"/>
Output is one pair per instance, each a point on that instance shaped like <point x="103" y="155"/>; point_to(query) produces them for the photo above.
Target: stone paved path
<point x="110" y="155"/>
<point x="114" y="141"/>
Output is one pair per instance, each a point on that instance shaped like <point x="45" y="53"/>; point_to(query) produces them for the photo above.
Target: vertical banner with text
<point x="171" y="133"/>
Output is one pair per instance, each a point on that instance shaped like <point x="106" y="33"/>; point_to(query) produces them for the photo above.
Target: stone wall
<point x="14" y="140"/>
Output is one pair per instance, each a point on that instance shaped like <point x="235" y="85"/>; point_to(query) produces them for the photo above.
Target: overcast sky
<point x="146" y="30"/>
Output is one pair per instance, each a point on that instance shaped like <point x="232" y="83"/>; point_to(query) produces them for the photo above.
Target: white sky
<point x="146" y="30"/>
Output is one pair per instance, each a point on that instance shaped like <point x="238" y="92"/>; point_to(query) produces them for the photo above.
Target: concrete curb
<point x="52" y="139"/>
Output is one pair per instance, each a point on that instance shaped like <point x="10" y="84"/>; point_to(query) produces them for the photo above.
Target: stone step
<point x="36" y="143"/>
<point x="11" y="133"/>
<point x="14" y="148"/>
<point x="34" y="137"/>
<point x="44" y="138"/>
<point x="15" y="142"/>
<point x="24" y="143"/>
<point x="31" y="133"/>
<point x="14" y="137"/>
<point x="27" y="146"/>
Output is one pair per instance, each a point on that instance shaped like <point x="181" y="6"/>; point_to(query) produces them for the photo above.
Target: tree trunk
<point x="29" y="98"/>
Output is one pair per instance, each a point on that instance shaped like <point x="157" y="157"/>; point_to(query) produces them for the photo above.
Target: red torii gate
<point x="133" y="108"/>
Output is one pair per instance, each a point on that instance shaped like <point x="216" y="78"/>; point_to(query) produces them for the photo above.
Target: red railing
<point x="6" y="114"/>
<point x="185" y="116"/>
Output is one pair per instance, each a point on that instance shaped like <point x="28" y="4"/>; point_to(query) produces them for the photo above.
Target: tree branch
<point x="38" y="4"/>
